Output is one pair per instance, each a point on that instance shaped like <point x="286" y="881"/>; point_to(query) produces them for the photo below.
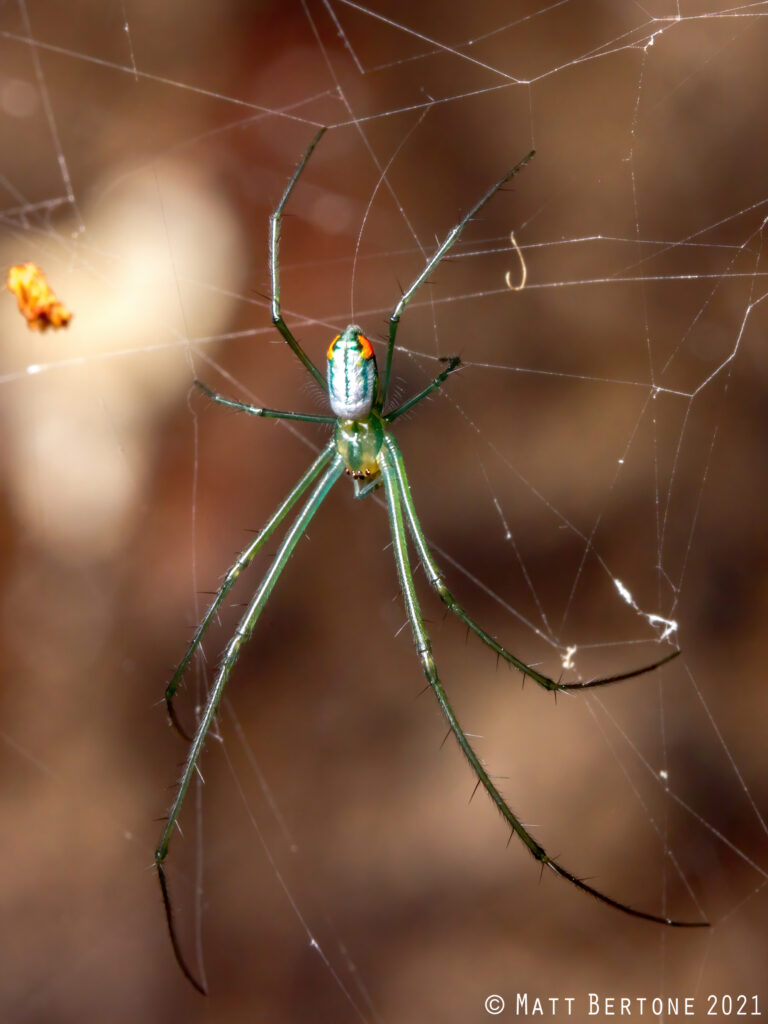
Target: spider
<point x="363" y="447"/>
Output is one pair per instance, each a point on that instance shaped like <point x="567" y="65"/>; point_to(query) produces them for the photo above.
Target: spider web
<point x="591" y="482"/>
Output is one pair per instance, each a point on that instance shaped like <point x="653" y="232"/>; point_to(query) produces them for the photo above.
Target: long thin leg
<point x="243" y="560"/>
<point x="274" y="267"/>
<point x="423" y="646"/>
<point x="254" y="410"/>
<point x="441" y="250"/>
<point x="438" y="583"/>
<point x="453" y="364"/>
<point x="588" y="683"/>
<point x="231" y="652"/>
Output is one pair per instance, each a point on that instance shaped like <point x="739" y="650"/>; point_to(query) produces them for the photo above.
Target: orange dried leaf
<point x="37" y="303"/>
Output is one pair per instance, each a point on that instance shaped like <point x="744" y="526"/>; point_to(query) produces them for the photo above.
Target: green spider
<point x="364" y="448"/>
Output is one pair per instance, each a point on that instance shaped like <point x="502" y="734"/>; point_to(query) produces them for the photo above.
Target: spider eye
<point x="330" y="347"/>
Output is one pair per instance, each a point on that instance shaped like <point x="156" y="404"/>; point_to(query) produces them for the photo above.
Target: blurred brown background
<point x="142" y="149"/>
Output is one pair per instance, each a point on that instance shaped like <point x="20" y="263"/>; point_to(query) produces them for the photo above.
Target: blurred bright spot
<point x="78" y="444"/>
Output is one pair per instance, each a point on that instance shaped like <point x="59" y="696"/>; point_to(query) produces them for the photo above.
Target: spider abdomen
<point x="353" y="378"/>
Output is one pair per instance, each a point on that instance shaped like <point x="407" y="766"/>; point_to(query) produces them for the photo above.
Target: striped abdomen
<point x="352" y="374"/>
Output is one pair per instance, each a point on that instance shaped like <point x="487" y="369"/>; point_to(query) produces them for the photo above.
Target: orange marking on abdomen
<point x="366" y="346"/>
<point x="330" y="347"/>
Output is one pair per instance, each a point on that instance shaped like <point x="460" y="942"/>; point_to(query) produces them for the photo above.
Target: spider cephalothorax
<point x="363" y="445"/>
<point x="359" y="443"/>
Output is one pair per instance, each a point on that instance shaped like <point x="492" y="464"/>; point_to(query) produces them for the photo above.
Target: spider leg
<point x="243" y="560"/>
<point x="254" y="410"/>
<point x="394" y="495"/>
<point x="435" y="259"/>
<point x="453" y="364"/>
<point x="621" y="675"/>
<point x="230" y="656"/>
<point x="274" y="267"/>
<point x="438" y="584"/>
